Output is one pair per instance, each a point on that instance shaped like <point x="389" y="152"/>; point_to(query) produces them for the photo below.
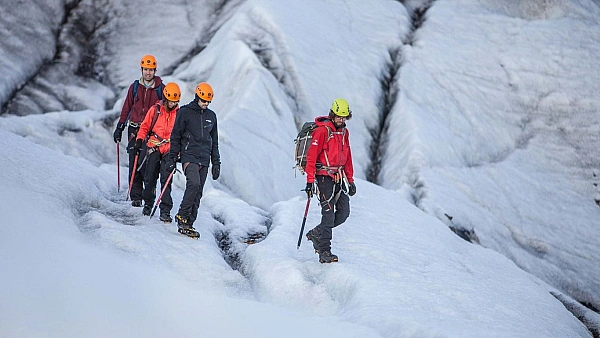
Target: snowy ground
<point x="494" y="126"/>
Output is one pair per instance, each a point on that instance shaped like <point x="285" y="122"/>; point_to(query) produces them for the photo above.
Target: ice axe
<point x="303" y="223"/>
<point x="118" y="169"/>
<point x="163" y="191"/>
<point x="132" y="176"/>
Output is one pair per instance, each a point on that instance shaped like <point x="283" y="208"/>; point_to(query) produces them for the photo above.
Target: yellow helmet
<point x="148" y="61"/>
<point x="340" y="107"/>
<point x="172" y="92"/>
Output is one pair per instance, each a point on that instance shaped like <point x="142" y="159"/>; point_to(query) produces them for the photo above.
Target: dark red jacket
<point x="140" y="104"/>
<point x="162" y="128"/>
<point x="334" y="143"/>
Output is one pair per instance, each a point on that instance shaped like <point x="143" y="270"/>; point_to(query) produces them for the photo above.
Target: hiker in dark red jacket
<point x="329" y="164"/>
<point x="195" y="139"/>
<point x="156" y="130"/>
<point x="147" y="91"/>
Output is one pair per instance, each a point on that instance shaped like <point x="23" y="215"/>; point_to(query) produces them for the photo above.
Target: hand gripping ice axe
<point x="163" y="191"/>
<point x="132" y="176"/>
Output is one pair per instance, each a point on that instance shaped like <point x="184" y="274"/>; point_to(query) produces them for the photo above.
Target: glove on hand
<point x="170" y="165"/>
<point x="309" y="189"/>
<point x="351" y="189"/>
<point x="118" y="132"/>
<point x="216" y="170"/>
<point x="138" y="146"/>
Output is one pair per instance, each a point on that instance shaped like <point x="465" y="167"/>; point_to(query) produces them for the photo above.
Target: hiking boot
<point x="136" y="203"/>
<point x="181" y="221"/>
<point x="165" y="217"/>
<point x="184" y="228"/>
<point x="189" y="231"/>
<point x="327" y="257"/>
<point x="314" y="239"/>
<point x="147" y="210"/>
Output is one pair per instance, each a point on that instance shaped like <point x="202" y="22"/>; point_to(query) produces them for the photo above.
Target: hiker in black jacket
<point x="195" y="141"/>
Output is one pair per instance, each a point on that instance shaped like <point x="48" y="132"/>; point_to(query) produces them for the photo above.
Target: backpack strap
<point x="136" y="85"/>
<point x="154" y="119"/>
<point x="329" y="136"/>
<point x="159" y="92"/>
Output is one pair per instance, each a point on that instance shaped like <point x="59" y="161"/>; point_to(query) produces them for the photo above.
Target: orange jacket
<point x="161" y="132"/>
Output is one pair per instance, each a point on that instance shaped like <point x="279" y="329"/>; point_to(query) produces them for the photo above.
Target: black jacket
<point x="195" y="135"/>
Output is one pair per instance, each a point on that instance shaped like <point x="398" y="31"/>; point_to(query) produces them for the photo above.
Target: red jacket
<point x="140" y="104"/>
<point x="335" y="143"/>
<point x="162" y="128"/>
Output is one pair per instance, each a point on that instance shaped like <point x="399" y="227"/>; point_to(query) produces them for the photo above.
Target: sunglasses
<point x="204" y="101"/>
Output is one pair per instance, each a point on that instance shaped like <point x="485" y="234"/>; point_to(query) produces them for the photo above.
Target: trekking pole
<point x="132" y="176"/>
<point x="303" y="223"/>
<point x="118" y="169"/>
<point x="163" y="191"/>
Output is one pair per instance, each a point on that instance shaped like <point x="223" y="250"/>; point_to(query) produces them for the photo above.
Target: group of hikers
<point x="160" y="133"/>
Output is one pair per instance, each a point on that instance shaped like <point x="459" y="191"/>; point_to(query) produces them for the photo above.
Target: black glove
<point x="170" y="165"/>
<point x="216" y="170"/>
<point x="309" y="190"/>
<point x="351" y="189"/>
<point x="118" y="132"/>
<point x="138" y="146"/>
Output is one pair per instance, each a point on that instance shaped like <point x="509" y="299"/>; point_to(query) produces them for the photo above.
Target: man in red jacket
<point x="142" y="94"/>
<point x="156" y="131"/>
<point x="329" y="163"/>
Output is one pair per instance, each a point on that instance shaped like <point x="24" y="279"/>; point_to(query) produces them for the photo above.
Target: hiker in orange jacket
<point x="156" y="131"/>
<point x="329" y="164"/>
<point x="142" y="94"/>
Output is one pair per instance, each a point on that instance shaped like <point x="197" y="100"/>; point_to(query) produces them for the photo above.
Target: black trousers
<point x="335" y="209"/>
<point x="195" y="177"/>
<point x="155" y="166"/>
<point x="138" y="181"/>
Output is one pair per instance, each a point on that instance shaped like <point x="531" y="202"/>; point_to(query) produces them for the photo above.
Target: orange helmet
<point x="172" y="92"/>
<point x="204" y="91"/>
<point x="148" y="61"/>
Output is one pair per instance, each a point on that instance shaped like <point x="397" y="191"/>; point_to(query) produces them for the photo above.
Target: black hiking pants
<point x="155" y="167"/>
<point x="138" y="181"/>
<point x="335" y="209"/>
<point x="195" y="177"/>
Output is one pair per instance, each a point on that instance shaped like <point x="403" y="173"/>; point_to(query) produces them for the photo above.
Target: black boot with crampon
<point x="184" y="228"/>
<point x="147" y="209"/>
<point x="327" y="257"/>
<point x="165" y="217"/>
<point x="312" y="236"/>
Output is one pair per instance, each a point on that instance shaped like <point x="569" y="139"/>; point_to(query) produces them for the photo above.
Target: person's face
<point x="203" y="103"/>
<point x="172" y="104"/>
<point x="339" y="121"/>
<point x="148" y="73"/>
